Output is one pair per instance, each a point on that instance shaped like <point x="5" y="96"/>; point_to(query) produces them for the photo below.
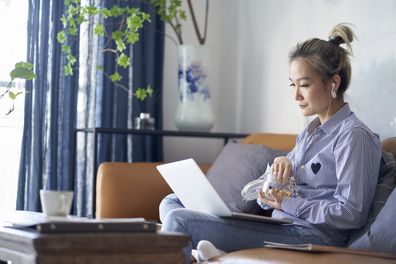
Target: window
<point x="13" y="46"/>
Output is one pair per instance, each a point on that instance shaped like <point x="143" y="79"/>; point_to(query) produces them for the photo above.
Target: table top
<point x="23" y="244"/>
<point x="21" y="226"/>
<point x="28" y="240"/>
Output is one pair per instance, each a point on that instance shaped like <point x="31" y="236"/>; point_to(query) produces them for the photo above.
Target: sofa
<point x="135" y="190"/>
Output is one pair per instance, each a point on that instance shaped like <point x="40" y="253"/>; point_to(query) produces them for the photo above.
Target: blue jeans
<point x="227" y="234"/>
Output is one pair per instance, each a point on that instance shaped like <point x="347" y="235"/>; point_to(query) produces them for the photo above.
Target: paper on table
<point x="28" y="218"/>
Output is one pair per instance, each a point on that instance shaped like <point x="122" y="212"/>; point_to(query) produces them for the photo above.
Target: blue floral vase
<point x="194" y="111"/>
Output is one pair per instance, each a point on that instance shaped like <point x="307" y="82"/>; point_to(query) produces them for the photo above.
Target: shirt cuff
<point x="263" y="205"/>
<point x="290" y="205"/>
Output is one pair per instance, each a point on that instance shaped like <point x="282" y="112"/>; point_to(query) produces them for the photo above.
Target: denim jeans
<point x="227" y="234"/>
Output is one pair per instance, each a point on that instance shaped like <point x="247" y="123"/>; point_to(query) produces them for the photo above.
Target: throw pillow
<point x="385" y="186"/>
<point x="382" y="233"/>
<point x="236" y="165"/>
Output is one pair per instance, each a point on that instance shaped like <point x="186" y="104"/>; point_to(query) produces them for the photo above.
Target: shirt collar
<point x="329" y="126"/>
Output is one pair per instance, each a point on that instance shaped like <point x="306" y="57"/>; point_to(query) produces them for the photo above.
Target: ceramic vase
<point x="194" y="110"/>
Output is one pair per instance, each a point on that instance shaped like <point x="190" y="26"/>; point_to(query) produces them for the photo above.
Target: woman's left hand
<point x="276" y="201"/>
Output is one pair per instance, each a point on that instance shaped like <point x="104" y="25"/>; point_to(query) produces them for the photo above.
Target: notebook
<point x="195" y="192"/>
<point x="73" y="224"/>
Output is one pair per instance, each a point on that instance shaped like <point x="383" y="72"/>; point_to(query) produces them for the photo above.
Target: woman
<point x="335" y="163"/>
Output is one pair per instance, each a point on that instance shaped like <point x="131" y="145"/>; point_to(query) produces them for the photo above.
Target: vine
<point x="126" y="33"/>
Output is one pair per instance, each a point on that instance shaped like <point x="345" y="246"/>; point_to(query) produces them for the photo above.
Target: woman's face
<point x="311" y="93"/>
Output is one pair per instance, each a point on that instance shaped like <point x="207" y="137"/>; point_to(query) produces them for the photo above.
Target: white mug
<point x="56" y="203"/>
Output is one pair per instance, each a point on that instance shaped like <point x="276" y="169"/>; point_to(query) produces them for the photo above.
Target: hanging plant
<point x="22" y="70"/>
<point x="116" y="41"/>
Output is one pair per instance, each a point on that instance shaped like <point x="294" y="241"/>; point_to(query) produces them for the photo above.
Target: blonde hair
<point x="328" y="58"/>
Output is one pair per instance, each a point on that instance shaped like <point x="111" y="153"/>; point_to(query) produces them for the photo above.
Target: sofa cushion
<point x="379" y="233"/>
<point x="382" y="233"/>
<point x="236" y="165"/>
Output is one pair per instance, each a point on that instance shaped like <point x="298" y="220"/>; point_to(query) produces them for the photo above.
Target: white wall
<point x="251" y="40"/>
<point x="175" y="148"/>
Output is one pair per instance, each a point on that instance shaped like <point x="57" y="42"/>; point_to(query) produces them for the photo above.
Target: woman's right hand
<point x="282" y="168"/>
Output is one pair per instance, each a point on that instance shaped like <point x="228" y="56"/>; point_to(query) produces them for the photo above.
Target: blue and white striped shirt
<point x="336" y="166"/>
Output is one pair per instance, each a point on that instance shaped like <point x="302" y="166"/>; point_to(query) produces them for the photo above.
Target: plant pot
<point x="194" y="111"/>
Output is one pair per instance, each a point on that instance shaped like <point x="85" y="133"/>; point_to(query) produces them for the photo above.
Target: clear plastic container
<point x="267" y="182"/>
<point x="271" y="182"/>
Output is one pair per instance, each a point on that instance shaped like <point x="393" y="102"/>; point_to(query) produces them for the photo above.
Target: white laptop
<point x="195" y="192"/>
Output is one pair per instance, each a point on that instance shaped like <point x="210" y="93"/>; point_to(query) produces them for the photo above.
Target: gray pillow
<point x="236" y="165"/>
<point x="382" y="233"/>
<point x="385" y="186"/>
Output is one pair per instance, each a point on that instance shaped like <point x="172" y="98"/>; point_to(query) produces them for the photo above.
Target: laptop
<point x="195" y="192"/>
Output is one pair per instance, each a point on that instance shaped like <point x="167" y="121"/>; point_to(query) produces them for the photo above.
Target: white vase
<point x="194" y="111"/>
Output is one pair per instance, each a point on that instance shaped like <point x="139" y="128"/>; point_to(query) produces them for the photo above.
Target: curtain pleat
<point x="53" y="156"/>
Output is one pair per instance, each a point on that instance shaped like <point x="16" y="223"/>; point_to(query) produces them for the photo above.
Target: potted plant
<point x="116" y="41"/>
<point x="22" y="70"/>
<point x="194" y="110"/>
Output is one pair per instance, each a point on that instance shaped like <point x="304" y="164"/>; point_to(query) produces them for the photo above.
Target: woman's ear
<point x="335" y="82"/>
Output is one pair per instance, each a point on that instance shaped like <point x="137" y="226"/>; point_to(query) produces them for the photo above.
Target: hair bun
<point x="337" y="40"/>
<point x="342" y="34"/>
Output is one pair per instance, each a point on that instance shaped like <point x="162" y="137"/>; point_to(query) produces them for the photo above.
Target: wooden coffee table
<point x="28" y="246"/>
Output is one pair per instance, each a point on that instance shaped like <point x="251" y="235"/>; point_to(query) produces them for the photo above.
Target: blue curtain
<point x="50" y="103"/>
<point x="119" y="110"/>
<point x="55" y="105"/>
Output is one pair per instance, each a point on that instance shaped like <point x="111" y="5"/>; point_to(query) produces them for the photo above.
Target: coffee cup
<point x="56" y="203"/>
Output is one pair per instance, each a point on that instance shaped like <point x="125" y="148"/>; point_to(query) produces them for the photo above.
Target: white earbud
<point x="333" y="93"/>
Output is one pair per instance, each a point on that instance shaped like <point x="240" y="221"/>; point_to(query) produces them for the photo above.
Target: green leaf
<point x="145" y="17"/>
<point x="182" y="14"/>
<point x="81" y="19"/>
<point x="73" y="31"/>
<point x="149" y="90"/>
<point x="99" y="29"/>
<point x="73" y="11"/>
<point x="123" y="60"/>
<point x="116" y="11"/>
<point x="116" y="35"/>
<point x="140" y="94"/>
<point x="64" y="21"/>
<point x="71" y="59"/>
<point x="105" y="12"/>
<point x="60" y="37"/>
<point x="68" y="70"/>
<point x="91" y="10"/>
<point x="11" y="95"/>
<point x="22" y="73"/>
<point x="132" y="38"/>
<point x="115" y="77"/>
<point x="120" y="45"/>
<point x="23" y="64"/>
<point x="66" y="49"/>
<point x="72" y="27"/>
<point x="100" y="67"/>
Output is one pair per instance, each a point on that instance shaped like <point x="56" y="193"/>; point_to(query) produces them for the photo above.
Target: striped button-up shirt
<point x="336" y="167"/>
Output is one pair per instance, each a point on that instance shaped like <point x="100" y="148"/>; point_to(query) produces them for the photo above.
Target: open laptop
<point x="195" y="192"/>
